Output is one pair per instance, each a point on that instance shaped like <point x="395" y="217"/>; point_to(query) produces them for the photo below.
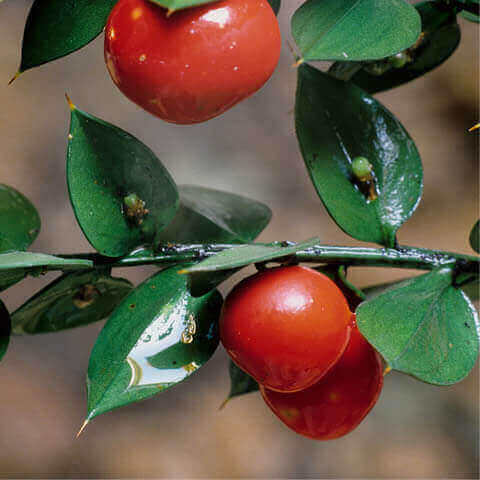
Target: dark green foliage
<point x="337" y="122"/>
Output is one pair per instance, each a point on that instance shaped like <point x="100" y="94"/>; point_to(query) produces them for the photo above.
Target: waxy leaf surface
<point x="426" y="328"/>
<point x="55" y="28"/>
<point x="244" y="255"/>
<point x="440" y="38"/>
<point x="471" y="289"/>
<point x="350" y="30"/>
<point x="19" y="220"/>
<point x="73" y="300"/>
<point x="173" y="5"/>
<point x="212" y="216"/>
<point x="157" y="337"/>
<point x="104" y="166"/>
<point x="5" y="329"/>
<point x="240" y="382"/>
<point x="15" y="266"/>
<point x="336" y="121"/>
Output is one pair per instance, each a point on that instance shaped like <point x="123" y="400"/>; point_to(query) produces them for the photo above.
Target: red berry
<point x="195" y="64"/>
<point x="339" y="401"/>
<point x="286" y="326"/>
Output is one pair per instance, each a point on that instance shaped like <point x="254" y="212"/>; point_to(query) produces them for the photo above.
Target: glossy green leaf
<point x="440" y="38"/>
<point x="56" y="28"/>
<point x="351" y="30"/>
<point x="426" y="328"/>
<point x="336" y="122"/>
<point x="19" y="220"/>
<point x="5" y="329"/>
<point x="244" y="255"/>
<point x="275" y="4"/>
<point x="212" y="216"/>
<point x="240" y="383"/>
<point x="73" y="300"/>
<point x="174" y="5"/>
<point x="105" y="167"/>
<point x="39" y="262"/>
<point x="203" y="282"/>
<point x="471" y="290"/>
<point x="158" y="336"/>
<point x="475" y="237"/>
<point x="15" y="266"/>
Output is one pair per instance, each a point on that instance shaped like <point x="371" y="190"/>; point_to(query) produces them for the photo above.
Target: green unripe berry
<point x="399" y="60"/>
<point x="361" y="168"/>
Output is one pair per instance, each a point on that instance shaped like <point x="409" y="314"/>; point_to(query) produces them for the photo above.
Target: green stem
<point x="402" y="257"/>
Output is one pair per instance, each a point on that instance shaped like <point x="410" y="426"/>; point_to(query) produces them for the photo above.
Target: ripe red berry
<point x="195" y="64"/>
<point x="286" y="326"/>
<point x="339" y="401"/>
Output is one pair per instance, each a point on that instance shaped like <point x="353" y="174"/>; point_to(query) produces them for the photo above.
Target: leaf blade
<point x="323" y="29"/>
<point x="426" y="328"/>
<point x="105" y="167"/>
<point x="440" y="38"/>
<point x="161" y="336"/>
<point x="244" y="255"/>
<point x="56" y="28"/>
<point x="337" y="122"/>
<point x="206" y="215"/>
<point x="72" y="300"/>
<point x="19" y="220"/>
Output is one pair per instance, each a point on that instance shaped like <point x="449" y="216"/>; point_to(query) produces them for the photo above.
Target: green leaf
<point x="73" y="300"/>
<point x="157" y="337"/>
<point x="473" y="5"/>
<point x="337" y="122"/>
<point x="244" y="255"/>
<point x="39" y="262"/>
<point x="351" y="30"/>
<point x="121" y="194"/>
<point x="19" y="220"/>
<point x="275" y="4"/>
<point x="240" y="383"/>
<point x="471" y="17"/>
<point x="11" y="277"/>
<point x="5" y="329"/>
<point x="471" y="289"/>
<point x="426" y="328"/>
<point x="212" y="216"/>
<point x="15" y="266"/>
<point x="475" y="237"/>
<point x="56" y="28"/>
<point x="441" y="36"/>
<point x="174" y="5"/>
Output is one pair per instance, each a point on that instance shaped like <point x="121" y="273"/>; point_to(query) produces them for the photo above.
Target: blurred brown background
<point x="416" y="430"/>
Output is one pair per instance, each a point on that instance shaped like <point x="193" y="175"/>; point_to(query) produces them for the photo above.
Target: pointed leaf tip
<point x="14" y="77"/>
<point x="475" y="127"/>
<point x="70" y="103"/>
<point x="82" y="428"/>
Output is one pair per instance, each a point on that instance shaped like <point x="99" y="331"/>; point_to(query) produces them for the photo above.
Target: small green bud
<point x="134" y="208"/>
<point x="362" y="168"/>
<point x="399" y="60"/>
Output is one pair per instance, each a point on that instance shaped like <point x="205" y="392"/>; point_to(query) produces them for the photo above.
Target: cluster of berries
<point x="291" y="329"/>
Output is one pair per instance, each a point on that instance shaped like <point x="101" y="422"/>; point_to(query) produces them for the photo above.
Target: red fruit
<point x="339" y="401"/>
<point x="195" y="64"/>
<point x="286" y="326"/>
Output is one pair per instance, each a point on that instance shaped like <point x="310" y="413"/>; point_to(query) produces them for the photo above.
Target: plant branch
<point x="402" y="257"/>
